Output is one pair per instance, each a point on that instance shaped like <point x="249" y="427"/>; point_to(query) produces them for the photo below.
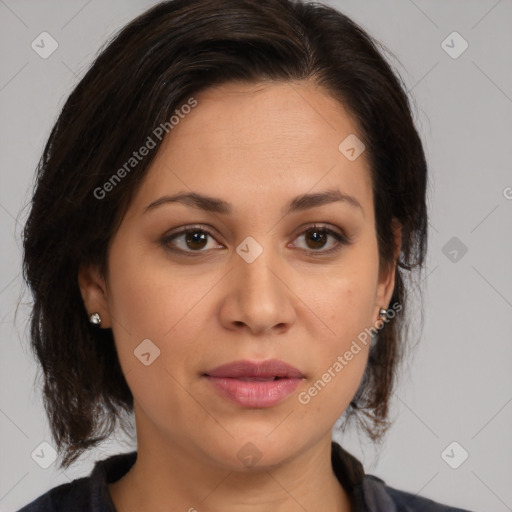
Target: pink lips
<point x="255" y="384"/>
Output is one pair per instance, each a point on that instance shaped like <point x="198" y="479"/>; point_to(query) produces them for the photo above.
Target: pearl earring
<point x="95" y="319"/>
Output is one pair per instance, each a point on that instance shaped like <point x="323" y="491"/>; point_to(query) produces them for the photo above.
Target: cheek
<point x="343" y="299"/>
<point x="151" y="303"/>
<point x="146" y="296"/>
<point x="348" y="313"/>
<point x="136" y="302"/>
<point x="340" y="356"/>
<point x="344" y="303"/>
<point x="150" y="300"/>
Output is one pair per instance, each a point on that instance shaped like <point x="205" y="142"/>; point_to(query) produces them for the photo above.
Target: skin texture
<point x="257" y="147"/>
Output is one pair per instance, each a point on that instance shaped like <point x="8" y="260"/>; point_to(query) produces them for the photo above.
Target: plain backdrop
<point x="455" y="394"/>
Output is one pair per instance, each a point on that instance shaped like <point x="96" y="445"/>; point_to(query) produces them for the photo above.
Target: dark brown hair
<point x="145" y="72"/>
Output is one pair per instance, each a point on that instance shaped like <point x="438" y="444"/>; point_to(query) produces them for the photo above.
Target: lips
<point x="269" y="370"/>
<point x="254" y="384"/>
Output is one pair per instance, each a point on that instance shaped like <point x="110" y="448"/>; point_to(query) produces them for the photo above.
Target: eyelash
<point x="341" y="240"/>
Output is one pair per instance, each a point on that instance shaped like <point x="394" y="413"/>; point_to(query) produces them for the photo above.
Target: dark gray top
<point x="369" y="493"/>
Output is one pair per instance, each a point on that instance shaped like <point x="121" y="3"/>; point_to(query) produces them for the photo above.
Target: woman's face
<point x="249" y="282"/>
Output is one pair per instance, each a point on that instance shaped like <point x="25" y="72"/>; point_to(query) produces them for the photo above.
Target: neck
<point x="175" y="478"/>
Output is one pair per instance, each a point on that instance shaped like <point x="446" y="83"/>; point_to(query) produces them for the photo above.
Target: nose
<point x="258" y="297"/>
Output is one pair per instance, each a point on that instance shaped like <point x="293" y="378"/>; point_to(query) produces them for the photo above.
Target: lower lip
<point x="255" y="393"/>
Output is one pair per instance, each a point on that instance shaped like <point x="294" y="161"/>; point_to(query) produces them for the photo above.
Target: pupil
<point x="318" y="238"/>
<point x="193" y="239"/>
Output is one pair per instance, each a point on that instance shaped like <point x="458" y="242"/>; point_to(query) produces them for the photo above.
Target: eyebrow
<point x="299" y="203"/>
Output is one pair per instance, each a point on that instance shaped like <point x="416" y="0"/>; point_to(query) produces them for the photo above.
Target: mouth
<point x="255" y="384"/>
<point x="258" y="379"/>
<point x="272" y="369"/>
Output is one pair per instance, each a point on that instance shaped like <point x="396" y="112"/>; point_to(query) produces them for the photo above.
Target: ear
<point x="386" y="282"/>
<point x="94" y="293"/>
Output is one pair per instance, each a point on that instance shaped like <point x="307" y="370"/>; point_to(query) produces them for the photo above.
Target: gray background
<point x="457" y="385"/>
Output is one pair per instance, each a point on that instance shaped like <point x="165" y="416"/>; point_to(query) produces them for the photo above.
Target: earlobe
<point x="93" y="291"/>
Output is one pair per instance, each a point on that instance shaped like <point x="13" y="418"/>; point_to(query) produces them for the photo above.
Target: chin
<point x="250" y="452"/>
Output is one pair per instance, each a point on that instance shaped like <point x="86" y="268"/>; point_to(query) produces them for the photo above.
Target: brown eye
<point x="189" y="241"/>
<point x="318" y="237"/>
<point x="196" y="239"/>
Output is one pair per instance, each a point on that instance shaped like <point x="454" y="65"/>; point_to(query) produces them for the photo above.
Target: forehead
<point x="265" y="138"/>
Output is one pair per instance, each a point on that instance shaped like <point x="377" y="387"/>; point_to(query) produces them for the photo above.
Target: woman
<point x="226" y="214"/>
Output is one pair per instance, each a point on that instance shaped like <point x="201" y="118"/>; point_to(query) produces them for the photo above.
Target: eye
<point x="194" y="240"/>
<point x="317" y="237"/>
<point x="190" y="240"/>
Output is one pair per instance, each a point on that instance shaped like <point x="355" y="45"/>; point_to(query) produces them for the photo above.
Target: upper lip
<point x="244" y="368"/>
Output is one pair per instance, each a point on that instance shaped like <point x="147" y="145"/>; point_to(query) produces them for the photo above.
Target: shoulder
<point x="62" y="497"/>
<point x="88" y="493"/>
<point x="371" y="494"/>
<point x="379" y="496"/>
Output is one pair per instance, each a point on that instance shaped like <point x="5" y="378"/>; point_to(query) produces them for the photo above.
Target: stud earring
<point x="95" y="319"/>
<point x="383" y="313"/>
